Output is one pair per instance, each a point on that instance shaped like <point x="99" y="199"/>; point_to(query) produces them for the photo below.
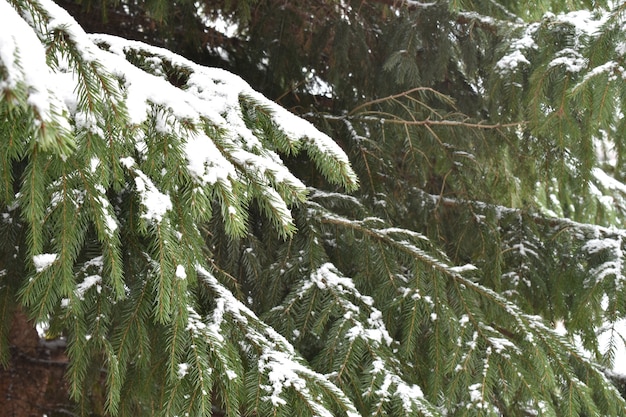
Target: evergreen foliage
<point x="204" y="251"/>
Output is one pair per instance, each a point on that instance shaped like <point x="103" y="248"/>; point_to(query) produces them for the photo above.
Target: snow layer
<point x="44" y="261"/>
<point x="180" y="272"/>
<point x="584" y="23"/>
<point x="516" y="57"/>
<point x="277" y="359"/>
<point x="206" y="115"/>
<point x="214" y="95"/>
<point x="24" y="58"/>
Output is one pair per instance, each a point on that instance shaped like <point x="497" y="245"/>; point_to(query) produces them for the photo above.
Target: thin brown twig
<point x="430" y="122"/>
<point x="403" y="94"/>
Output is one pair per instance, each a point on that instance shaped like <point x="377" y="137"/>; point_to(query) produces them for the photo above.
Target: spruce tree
<point x="433" y="228"/>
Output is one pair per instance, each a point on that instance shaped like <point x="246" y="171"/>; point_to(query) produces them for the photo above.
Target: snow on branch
<point x="119" y="91"/>
<point x="284" y="370"/>
<point x="515" y="331"/>
<point x="215" y="95"/>
<point x="27" y="81"/>
<point x="353" y="324"/>
<point x="515" y="57"/>
<point x="582" y="24"/>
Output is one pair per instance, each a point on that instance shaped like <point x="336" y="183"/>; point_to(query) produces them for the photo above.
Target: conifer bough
<point x="156" y="217"/>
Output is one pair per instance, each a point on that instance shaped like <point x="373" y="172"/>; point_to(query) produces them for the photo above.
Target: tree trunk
<point x="33" y="385"/>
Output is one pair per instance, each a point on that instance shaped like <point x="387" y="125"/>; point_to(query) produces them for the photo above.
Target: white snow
<point x="83" y="120"/>
<point x="60" y="19"/>
<point x="584" y="21"/>
<point x="476" y="392"/>
<point x="43" y="261"/>
<point x="515" y="58"/>
<point x="281" y="374"/>
<point x="410" y="395"/>
<point x="607" y="181"/>
<point x="87" y="283"/>
<point x="24" y="58"/>
<point x="180" y="272"/>
<point x="155" y="203"/>
<point x="611" y="267"/>
<point x="500" y="344"/>
<point x="511" y="61"/>
<point x="214" y="95"/>
<point x="183" y="368"/>
<point x="598" y="245"/>
<point x="571" y="59"/>
<point x="206" y="162"/>
<point x="211" y="99"/>
<point x="110" y="223"/>
<point x="463" y="268"/>
<point x="326" y="276"/>
<point x="128" y="162"/>
<point x="42" y="328"/>
<point x="194" y="322"/>
<point x="277" y="359"/>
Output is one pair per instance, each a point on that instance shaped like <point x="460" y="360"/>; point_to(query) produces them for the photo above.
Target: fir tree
<point x="449" y="199"/>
